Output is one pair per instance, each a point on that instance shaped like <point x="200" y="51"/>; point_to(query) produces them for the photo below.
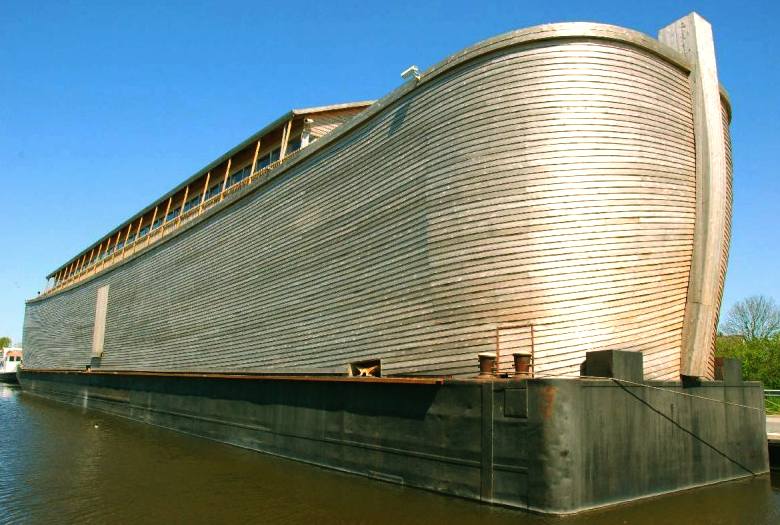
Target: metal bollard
<point x="487" y="364"/>
<point x="522" y="365"/>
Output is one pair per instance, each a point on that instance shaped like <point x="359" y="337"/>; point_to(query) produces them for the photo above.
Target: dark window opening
<point x="367" y="368"/>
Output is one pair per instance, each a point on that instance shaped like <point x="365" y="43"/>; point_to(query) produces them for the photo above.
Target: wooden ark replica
<point x="552" y="191"/>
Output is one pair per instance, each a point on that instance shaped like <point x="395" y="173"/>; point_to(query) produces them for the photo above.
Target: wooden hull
<point x="534" y="192"/>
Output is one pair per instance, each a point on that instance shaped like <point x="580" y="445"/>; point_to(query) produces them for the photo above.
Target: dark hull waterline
<point x="8" y="377"/>
<point x="548" y="445"/>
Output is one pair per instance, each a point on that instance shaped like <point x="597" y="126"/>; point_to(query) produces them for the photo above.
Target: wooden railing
<point x="165" y="229"/>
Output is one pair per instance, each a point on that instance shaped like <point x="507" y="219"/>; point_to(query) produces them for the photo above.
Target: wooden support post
<point x="205" y="189"/>
<point x="692" y="36"/>
<point x="151" y="225"/>
<point x="137" y="233"/>
<point x="183" y="203"/>
<point x="254" y="159"/>
<point x="70" y="270"/>
<point x="97" y="255"/>
<point x="77" y="266"/>
<point x="84" y="262"/>
<point x="167" y="211"/>
<point x="224" y="181"/>
<point x="285" y="139"/>
<point x="87" y="260"/>
<point x="116" y="243"/>
<point x="127" y="236"/>
<point x="105" y="255"/>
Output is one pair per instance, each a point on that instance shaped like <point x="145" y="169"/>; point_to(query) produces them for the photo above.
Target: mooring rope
<point x="758" y="409"/>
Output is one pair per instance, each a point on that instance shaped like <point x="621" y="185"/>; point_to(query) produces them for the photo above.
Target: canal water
<point x="61" y="464"/>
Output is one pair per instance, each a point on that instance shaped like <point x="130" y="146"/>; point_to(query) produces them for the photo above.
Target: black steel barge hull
<point x="548" y="445"/>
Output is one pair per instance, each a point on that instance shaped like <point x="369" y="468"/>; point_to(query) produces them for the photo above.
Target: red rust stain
<point x="548" y="399"/>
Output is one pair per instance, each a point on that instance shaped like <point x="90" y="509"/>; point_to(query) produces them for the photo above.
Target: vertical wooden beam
<point x="692" y="36"/>
<point x="137" y="233"/>
<point x="77" y="265"/>
<point x="97" y="256"/>
<point x="167" y="211"/>
<point x="127" y="236"/>
<point x="99" y="327"/>
<point x="224" y="181"/>
<point x="70" y="270"/>
<point x="285" y="139"/>
<point x="151" y="225"/>
<point x="116" y="243"/>
<point x="105" y="254"/>
<point x="91" y="254"/>
<point x="82" y="263"/>
<point x="254" y="159"/>
<point x="205" y="189"/>
<point x="183" y="203"/>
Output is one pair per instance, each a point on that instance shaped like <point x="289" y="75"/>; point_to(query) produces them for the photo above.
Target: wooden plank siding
<point x="326" y="122"/>
<point x="546" y="183"/>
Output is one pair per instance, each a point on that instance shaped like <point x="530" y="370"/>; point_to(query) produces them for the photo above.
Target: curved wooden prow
<point x="692" y="36"/>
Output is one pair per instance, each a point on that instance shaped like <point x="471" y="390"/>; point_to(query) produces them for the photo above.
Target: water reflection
<point x="62" y="464"/>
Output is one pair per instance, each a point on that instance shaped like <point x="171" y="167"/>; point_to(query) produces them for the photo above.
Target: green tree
<point x="5" y="342"/>
<point x="760" y="357"/>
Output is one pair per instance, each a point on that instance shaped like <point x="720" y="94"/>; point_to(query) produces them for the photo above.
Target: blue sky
<point x="106" y="105"/>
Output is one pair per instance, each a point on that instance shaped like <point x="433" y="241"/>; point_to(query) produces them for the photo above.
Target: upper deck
<point x="244" y="164"/>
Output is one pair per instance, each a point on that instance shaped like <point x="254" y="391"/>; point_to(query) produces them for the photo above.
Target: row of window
<point x="272" y="156"/>
<point x="213" y="191"/>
